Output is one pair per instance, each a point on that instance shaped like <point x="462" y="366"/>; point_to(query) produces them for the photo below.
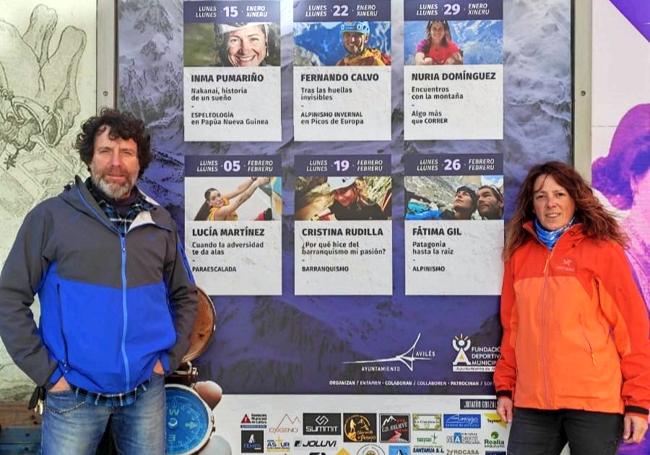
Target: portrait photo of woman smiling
<point x="242" y="45"/>
<point x="247" y="45"/>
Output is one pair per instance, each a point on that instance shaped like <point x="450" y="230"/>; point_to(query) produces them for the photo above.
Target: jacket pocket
<point x="91" y="320"/>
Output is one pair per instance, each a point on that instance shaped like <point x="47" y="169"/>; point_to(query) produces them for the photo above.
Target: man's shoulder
<point x="52" y="203"/>
<point x="159" y="214"/>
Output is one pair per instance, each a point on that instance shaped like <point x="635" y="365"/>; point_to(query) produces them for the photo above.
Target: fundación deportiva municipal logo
<point x="472" y="358"/>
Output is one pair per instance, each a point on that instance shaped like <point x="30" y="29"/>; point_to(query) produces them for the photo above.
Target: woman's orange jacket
<point x="575" y="328"/>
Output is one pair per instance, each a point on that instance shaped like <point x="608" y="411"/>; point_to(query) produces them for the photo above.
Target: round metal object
<point x="204" y="327"/>
<point x="190" y="422"/>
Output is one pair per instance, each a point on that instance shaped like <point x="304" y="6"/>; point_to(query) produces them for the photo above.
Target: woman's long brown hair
<point x="596" y="221"/>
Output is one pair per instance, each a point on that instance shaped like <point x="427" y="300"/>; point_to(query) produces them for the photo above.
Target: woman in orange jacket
<point x="575" y="353"/>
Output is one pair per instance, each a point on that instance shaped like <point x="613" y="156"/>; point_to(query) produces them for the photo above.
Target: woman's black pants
<point x="538" y="432"/>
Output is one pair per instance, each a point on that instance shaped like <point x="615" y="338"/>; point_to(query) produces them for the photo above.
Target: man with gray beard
<point x="117" y="298"/>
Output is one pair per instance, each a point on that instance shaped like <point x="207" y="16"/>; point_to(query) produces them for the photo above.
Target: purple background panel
<point x="467" y="165"/>
<point x="245" y="165"/>
<point x="247" y="11"/>
<point x="304" y="165"/>
<point x="418" y="10"/>
<point x="249" y="352"/>
<point x="332" y="10"/>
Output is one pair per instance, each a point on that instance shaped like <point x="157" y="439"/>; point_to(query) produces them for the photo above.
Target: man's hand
<point x="504" y="409"/>
<point x="60" y="386"/>
<point x="158" y="368"/>
<point x="634" y="428"/>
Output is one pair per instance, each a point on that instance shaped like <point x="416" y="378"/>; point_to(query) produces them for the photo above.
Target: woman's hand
<point x="504" y="408"/>
<point x="634" y="428"/>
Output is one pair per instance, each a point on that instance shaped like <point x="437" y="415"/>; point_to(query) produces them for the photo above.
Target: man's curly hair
<point x="122" y="125"/>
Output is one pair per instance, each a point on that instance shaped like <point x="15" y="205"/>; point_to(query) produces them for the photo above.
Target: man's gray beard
<point x="113" y="190"/>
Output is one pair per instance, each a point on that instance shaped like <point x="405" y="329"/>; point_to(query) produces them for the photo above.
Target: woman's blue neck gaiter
<point x="550" y="238"/>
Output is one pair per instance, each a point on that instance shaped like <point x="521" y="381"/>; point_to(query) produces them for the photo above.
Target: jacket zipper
<point x="125" y="313"/>
<point x="122" y="236"/>
<point x="544" y="319"/>
<point x="65" y="342"/>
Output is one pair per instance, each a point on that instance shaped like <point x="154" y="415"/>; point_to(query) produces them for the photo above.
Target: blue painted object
<point x="189" y="420"/>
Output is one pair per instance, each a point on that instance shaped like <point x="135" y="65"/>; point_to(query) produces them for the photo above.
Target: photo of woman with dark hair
<point x="574" y="362"/>
<point x="220" y="206"/>
<point x="438" y="48"/>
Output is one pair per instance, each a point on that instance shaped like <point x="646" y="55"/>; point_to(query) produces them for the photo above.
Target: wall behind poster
<point x="621" y="128"/>
<point x="297" y="344"/>
<point x="47" y="84"/>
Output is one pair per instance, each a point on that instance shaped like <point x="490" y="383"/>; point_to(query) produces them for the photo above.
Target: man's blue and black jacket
<point x="111" y="304"/>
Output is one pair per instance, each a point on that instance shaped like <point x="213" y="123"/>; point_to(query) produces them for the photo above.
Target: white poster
<point x="231" y="74"/>
<point x="343" y="227"/>
<point x="342" y="65"/>
<point x="454" y="224"/>
<point x="233" y="224"/>
<point x="453" y="70"/>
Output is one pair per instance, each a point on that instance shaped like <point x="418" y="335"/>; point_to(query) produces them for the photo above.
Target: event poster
<point x="454" y="207"/>
<point x="231" y="74"/>
<point x="343" y="227"/>
<point x="233" y="227"/>
<point x="453" y="69"/>
<point x="296" y="349"/>
<point x="341" y="70"/>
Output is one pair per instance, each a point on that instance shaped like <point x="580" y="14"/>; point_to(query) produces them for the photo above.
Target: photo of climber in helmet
<point x="355" y="37"/>
<point x="358" y="43"/>
<point x="343" y="198"/>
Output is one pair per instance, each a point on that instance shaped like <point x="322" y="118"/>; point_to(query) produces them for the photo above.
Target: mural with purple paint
<point x="623" y="177"/>
<point x="637" y="12"/>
